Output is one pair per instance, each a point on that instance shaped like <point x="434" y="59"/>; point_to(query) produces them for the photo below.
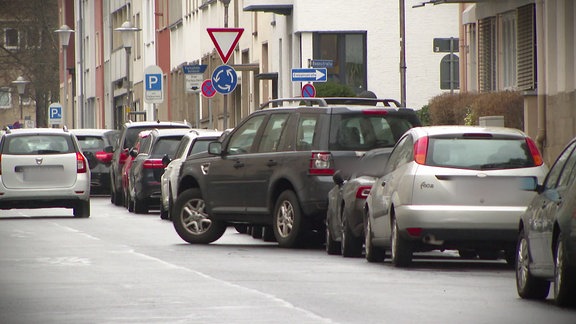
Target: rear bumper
<point x="449" y="226"/>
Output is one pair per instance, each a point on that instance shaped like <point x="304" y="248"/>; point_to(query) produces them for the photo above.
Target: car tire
<point x="117" y="197"/>
<point x="241" y="228"/>
<point x="256" y="231"/>
<point x="164" y="213"/>
<point x="82" y="209"/>
<point x="268" y="234"/>
<point x="564" y="281"/>
<point x="373" y="253"/>
<point x="351" y="246"/>
<point x="130" y="203"/>
<point x="140" y="206"/>
<point x="288" y="224"/>
<point x="400" y="248"/>
<point x="527" y="285"/>
<point x="332" y="247"/>
<point x="191" y="221"/>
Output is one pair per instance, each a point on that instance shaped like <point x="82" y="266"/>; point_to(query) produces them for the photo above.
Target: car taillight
<point x="80" y="163"/>
<point x="362" y="192"/>
<point x="153" y="164"/>
<point x="534" y="151"/>
<point x="321" y="164"/>
<point x="123" y="156"/>
<point x="104" y="157"/>
<point x="414" y="231"/>
<point x="420" y="149"/>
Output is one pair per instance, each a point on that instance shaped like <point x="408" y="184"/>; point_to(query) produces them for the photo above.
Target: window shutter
<point x="526" y="44"/>
<point x="486" y="54"/>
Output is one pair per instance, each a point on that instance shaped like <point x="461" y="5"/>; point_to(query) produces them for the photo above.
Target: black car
<point x="275" y="168"/>
<point x="128" y="136"/>
<point x="97" y="145"/>
<point x="546" y="250"/>
<point x="145" y="174"/>
<point x="346" y="200"/>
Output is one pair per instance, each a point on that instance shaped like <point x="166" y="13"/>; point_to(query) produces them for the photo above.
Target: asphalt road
<point x="117" y="267"/>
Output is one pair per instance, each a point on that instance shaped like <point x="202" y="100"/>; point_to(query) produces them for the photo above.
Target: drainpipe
<point x="541" y="75"/>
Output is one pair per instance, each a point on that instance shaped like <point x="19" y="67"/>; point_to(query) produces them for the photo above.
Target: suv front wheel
<point x="191" y="221"/>
<point x="288" y="222"/>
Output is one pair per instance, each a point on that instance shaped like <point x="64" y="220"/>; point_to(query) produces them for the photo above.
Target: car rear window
<point x="38" y="144"/>
<point x="132" y="133"/>
<point x="479" y="154"/>
<point x="165" y="145"/>
<point x="90" y="143"/>
<point x="366" y="131"/>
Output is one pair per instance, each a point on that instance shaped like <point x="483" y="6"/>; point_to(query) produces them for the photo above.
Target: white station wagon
<point x="43" y="168"/>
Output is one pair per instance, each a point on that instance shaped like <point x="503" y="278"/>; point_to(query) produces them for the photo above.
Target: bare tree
<point x="36" y="56"/>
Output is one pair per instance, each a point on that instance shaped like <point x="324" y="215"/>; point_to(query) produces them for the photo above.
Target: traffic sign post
<point x="154" y="90"/>
<point x="309" y="75"/>
<point x="55" y="114"/>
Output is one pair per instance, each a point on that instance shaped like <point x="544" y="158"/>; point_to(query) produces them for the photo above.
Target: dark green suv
<point x="275" y="168"/>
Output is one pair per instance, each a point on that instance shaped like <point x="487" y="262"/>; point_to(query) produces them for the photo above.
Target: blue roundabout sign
<point x="224" y="79"/>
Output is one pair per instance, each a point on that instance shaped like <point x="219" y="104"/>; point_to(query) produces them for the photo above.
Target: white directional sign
<point x="154" y="91"/>
<point x="194" y="76"/>
<point x="55" y="114"/>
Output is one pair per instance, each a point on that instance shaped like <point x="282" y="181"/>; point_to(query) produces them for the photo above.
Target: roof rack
<point x="302" y="101"/>
<point x="361" y="101"/>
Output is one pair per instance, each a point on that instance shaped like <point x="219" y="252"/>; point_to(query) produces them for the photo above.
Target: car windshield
<point x="479" y="154"/>
<point x="38" y="144"/>
<point x="366" y="131"/>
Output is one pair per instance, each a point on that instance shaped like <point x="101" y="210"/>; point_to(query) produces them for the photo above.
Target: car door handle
<point x="238" y="164"/>
<point x="271" y="163"/>
<point x="383" y="183"/>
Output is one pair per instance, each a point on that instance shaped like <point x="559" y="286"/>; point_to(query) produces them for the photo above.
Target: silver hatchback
<point x="451" y="187"/>
<point x="43" y="168"/>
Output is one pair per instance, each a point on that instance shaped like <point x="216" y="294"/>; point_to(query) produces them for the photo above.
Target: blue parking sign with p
<point x="153" y="82"/>
<point x="55" y="113"/>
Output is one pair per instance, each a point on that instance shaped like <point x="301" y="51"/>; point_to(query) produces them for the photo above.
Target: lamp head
<point x="64" y="33"/>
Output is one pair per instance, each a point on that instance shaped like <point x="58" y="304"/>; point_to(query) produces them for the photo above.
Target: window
<point x="5" y="98"/>
<point x="554" y="174"/>
<point x="11" y="38"/>
<point x="272" y="133"/>
<point x="487" y="54"/>
<point x="306" y="131"/>
<point x="242" y="140"/>
<point x="526" y="48"/>
<point x="347" y="52"/>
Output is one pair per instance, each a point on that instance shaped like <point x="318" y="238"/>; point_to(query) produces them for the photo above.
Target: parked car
<point x="546" y="250"/>
<point x="43" y="168"/>
<point x="196" y="141"/>
<point x="132" y="153"/>
<point x="346" y="200"/>
<point x="97" y="145"/>
<point x="274" y="169"/>
<point x="147" y="167"/>
<point x="128" y="136"/>
<point x="453" y="188"/>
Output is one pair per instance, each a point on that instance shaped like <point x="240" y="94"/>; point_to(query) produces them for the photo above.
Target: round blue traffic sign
<point x="224" y="79"/>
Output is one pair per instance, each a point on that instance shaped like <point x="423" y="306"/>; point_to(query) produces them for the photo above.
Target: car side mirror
<point x="109" y="149"/>
<point x="337" y="178"/>
<point x="133" y="153"/>
<point x="166" y="160"/>
<point x="215" y="148"/>
<point x="528" y="183"/>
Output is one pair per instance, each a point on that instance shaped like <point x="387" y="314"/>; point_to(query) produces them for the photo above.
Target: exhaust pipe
<point x="431" y="239"/>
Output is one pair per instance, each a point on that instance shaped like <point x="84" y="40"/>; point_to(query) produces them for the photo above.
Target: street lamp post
<point x="21" y="86"/>
<point x="127" y="31"/>
<point x="64" y="34"/>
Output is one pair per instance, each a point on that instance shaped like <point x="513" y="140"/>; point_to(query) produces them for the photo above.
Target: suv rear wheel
<point x="191" y="221"/>
<point x="82" y="209"/>
<point x="288" y="222"/>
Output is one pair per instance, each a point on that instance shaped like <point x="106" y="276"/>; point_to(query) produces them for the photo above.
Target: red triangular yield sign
<point x="225" y="40"/>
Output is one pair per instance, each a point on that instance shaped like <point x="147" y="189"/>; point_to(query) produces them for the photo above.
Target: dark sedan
<point x="546" y="251"/>
<point x="97" y="145"/>
<point x="344" y="218"/>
